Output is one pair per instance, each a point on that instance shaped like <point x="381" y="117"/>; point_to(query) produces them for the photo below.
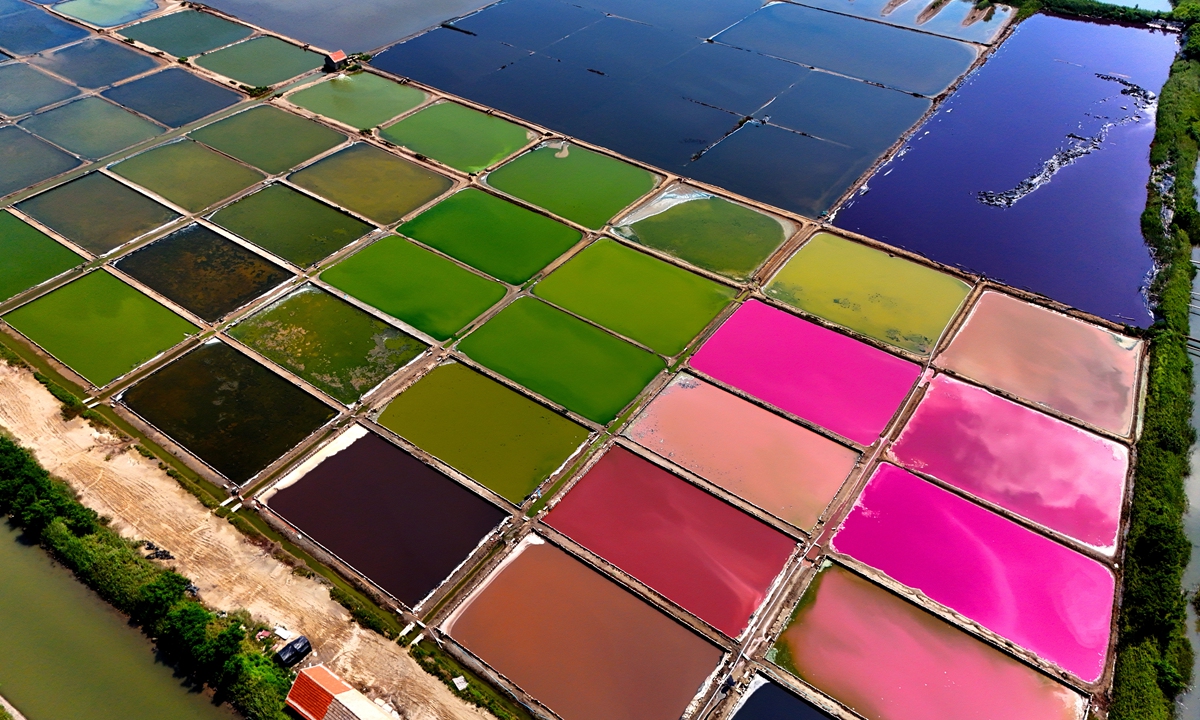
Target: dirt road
<point x="232" y="573"/>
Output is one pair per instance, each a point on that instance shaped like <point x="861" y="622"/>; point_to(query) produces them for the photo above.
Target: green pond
<point x="882" y="296"/>
<point x="372" y="182"/>
<point x="291" y="224"/>
<point x="269" y="138"/>
<point x="574" y="183"/>
<point x="709" y="232"/>
<point x="360" y="100"/>
<point x="106" y="13"/>
<point x="412" y="284"/>
<point x="99" y="326"/>
<point x="188" y="174"/>
<point x="563" y="358"/>
<point x="96" y="212"/>
<point x="261" y="62"/>
<point x="202" y="271"/>
<point x="459" y="136"/>
<point x="28" y="160"/>
<point x="24" y="88"/>
<point x="227" y="409"/>
<point x="30" y="256"/>
<point x="496" y="236"/>
<point x="328" y="342"/>
<point x="79" y="658"/>
<point x="91" y="127"/>
<point x="493" y="434"/>
<point x="187" y="33"/>
<point x="641" y="297"/>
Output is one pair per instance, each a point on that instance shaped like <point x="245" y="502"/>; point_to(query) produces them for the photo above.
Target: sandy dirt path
<point x="232" y="573"/>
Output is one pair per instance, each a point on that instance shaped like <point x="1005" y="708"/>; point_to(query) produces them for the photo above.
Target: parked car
<point x="293" y="652"/>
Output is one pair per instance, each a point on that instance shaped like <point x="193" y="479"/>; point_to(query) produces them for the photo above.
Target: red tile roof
<point x="313" y="692"/>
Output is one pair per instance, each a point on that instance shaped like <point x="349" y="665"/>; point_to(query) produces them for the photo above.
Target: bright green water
<point x="563" y="358"/>
<point x="361" y="100"/>
<point x="269" y="138"/>
<point x="24" y="88"/>
<point x="329" y="342"/>
<point x="711" y="233"/>
<point x="483" y="429"/>
<point x="372" y="182"/>
<point x="290" y="224"/>
<point x="261" y="62"/>
<point x="188" y="174"/>
<point x="28" y="160"/>
<point x="91" y="127"/>
<point x="96" y="212"/>
<point x="574" y="183"/>
<point x="641" y="297"/>
<point x="187" y="33"/>
<point x="458" y="136"/>
<point x="415" y="285"/>
<point x="493" y="235"/>
<point x="99" y="326"/>
<point x="30" y="256"/>
<point x="78" y="658"/>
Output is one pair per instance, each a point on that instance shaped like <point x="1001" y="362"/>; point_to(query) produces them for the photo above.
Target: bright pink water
<point x="822" y="376"/>
<point x="1039" y="467"/>
<point x="1013" y="581"/>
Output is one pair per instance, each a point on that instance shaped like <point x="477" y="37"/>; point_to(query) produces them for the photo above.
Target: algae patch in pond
<point x="458" y="136"/>
<point x="415" y="285"/>
<point x="290" y="224"/>
<point x="96" y="212"/>
<point x="563" y="358"/>
<point x="496" y="236"/>
<point x="30" y="256"/>
<point x="493" y="434"/>
<point x="24" y="89"/>
<point x="231" y="412"/>
<point x="91" y="127"/>
<point x="269" y="138"/>
<point x="706" y="231"/>
<point x="329" y="342"/>
<point x="578" y="184"/>
<point x="361" y="100"/>
<point x="188" y="174"/>
<point x="100" y="327"/>
<point x="260" y="62"/>
<point x="202" y="271"/>
<point x="187" y="33"/>
<point x="372" y="182"/>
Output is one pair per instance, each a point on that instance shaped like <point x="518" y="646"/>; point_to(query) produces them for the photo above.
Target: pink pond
<point x="1076" y="368"/>
<point x="763" y="458"/>
<point x="889" y="660"/>
<point x="1036" y="466"/>
<point x="820" y="375"/>
<point x="1021" y="585"/>
<point x="711" y="558"/>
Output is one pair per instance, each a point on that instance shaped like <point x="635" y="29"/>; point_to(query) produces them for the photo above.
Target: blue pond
<point x="95" y="63"/>
<point x="1034" y="172"/>
<point x="28" y="160"/>
<point x="33" y="30"/>
<point x="771" y="702"/>
<point x="174" y="97"/>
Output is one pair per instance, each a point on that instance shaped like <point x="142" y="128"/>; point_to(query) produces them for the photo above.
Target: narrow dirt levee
<point x="231" y="572"/>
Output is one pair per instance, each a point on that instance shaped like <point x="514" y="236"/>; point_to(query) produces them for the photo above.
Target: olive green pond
<point x="458" y="136"/>
<point x="360" y="100"/>
<point x="269" y="138"/>
<point x="188" y="174"/>
<point x="261" y="62"/>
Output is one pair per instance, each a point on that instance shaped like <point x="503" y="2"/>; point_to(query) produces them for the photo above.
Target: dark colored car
<point x="293" y="652"/>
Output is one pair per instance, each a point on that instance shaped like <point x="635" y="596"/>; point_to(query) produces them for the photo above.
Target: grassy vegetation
<point x="437" y="663"/>
<point x="1081" y="8"/>
<point x="214" y="650"/>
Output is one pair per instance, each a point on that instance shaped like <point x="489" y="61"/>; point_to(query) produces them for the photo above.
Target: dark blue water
<point x="771" y="702"/>
<point x="174" y="97"/>
<point x="95" y="63"/>
<point x="33" y="30"/>
<point x="1077" y="237"/>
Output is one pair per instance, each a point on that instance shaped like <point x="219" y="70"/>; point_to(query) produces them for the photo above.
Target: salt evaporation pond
<point x="820" y="375"/>
<point x="268" y="138"/>
<point x="173" y="97"/>
<point x="24" y="89"/>
<point x="91" y="127"/>
<point x="187" y="33"/>
<point x="188" y="174"/>
<point x="1031" y="464"/>
<point x="777" y="465"/>
<point x="30" y="256"/>
<point x="765" y="700"/>
<point x="1017" y="583"/>
<point x="1053" y="202"/>
<point x="461" y="137"/>
<point x="360" y="100"/>
<point x="388" y="515"/>
<point x="579" y="642"/>
<point x="712" y="559"/>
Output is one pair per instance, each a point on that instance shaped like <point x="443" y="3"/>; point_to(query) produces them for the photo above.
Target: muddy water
<point x="773" y="463"/>
<point x="1055" y="205"/>
<point x="360" y="100"/>
<point x="459" y="136"/>
<point x="187" y="33"/>
<point x="390" y="516"/>
<point x="174" y="97"/>
<point x="709" y="557"/>
<point x="269" y="138"/>
<point x="1021" y="585"/>
<point x="889" y="660"/>
<point x="1036" y="466"/>
<point x="188" y="174"/>
<point x="1066" y="364"/>
<point x="233" y="413"/>
<point x="30" y="256"/>
<point x="581" y="644"/>
<point x="91" y="127"/>
<point x="261" y="61"/>
<point x="823" y="376"/>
